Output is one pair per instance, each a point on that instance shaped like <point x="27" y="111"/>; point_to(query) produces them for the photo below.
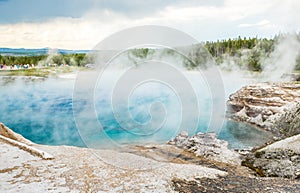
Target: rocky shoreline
<point x="274" y="107"/>
<point x="269" y="106"/>
<point x="74" y="169"/>
<point x="186" y="164"/>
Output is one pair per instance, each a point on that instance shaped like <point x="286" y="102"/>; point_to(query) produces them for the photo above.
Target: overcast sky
<point x="81" y="24"/>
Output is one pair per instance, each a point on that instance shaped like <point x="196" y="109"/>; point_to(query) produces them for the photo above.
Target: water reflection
<point x="242" y="135"/>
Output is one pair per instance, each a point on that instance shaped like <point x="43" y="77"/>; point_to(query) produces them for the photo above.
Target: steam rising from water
<point x="276" y="66"/>
<point x="283" y="59"/>
<point x="41" y="110"/>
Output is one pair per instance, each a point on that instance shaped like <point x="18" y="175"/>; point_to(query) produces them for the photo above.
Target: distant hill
<point x="35" y="52"/>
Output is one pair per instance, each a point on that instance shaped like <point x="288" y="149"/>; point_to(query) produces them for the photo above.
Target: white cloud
<point x="86" y="32"/>
<point x="258" y="24"/>
<point x="71" y="33"/>
<point x="231" y="10"/>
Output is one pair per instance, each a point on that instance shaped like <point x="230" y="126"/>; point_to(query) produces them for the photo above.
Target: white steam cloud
<point x="282" y="60"/>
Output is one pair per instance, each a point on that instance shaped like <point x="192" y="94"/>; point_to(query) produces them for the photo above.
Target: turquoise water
<point x="41" y="110"/>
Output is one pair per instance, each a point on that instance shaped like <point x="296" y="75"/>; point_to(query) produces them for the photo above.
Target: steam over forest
<point x="246" y="53"/>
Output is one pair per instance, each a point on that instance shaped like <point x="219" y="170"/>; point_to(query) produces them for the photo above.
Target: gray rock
<point x="208" y="146"/>
<point x="180" y="140"/>
<point x="288" y="124"/>
<point x="280" y="159"/>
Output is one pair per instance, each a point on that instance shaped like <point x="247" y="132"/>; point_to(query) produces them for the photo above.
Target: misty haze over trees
<point x="245" y="53"/>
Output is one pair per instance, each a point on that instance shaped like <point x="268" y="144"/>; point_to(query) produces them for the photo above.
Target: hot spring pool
<point x="41" y="110"/>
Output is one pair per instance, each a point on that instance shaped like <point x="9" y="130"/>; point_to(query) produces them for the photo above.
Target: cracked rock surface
<point x="87" y="170"/>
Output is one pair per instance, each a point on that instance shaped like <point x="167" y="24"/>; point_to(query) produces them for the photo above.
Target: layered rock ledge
<point x="270" y="106"/>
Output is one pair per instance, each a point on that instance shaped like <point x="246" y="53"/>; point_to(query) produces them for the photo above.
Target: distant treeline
<point x="44" y="60"/>
<point x="232" y="46"/>
<point x="245" y="52"/>
<point x="10" y="60"/>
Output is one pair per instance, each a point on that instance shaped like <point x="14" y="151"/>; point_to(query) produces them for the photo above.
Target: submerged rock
<point x="280" y="159"/>
<point x="208" y="146"/>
